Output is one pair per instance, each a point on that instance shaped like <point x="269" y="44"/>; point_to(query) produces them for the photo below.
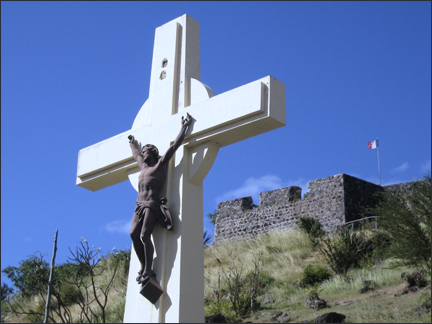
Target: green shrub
<point x="405" y="221"/>
<point x="264" y="279"/>
<point x="70" y="294"/>
<point x="312" y="228"/>
<point x="31" y="277"/>
<point x="313" y="291"/>
<point x="245" y="304"/>
<point x="314" y="275"/>
<point x="221" y="307"/>
<point x="345" y="250"/>
<point x="207" y="237"/>
<point x="366" y="263"/>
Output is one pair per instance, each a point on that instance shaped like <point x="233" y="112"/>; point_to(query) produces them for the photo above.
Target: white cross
<point x="220" y="120"/>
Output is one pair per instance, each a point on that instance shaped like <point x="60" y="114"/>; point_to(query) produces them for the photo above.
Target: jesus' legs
<point x="147" y="229"/>
<point x="136" y="241"/>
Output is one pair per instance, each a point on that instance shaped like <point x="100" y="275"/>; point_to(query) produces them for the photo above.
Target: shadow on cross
<point x="166" y="243"/>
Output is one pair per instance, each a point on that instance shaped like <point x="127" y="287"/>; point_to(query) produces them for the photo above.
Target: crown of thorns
<point x="153" y="149"/>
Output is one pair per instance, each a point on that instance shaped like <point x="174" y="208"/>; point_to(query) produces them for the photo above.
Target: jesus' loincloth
<point x="160" y="210"/>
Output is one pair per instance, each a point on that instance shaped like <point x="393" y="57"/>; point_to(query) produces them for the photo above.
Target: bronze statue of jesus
<point x="151" y="208"/>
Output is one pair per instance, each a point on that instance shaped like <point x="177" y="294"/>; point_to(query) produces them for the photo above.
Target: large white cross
<point x="220" y="120"/>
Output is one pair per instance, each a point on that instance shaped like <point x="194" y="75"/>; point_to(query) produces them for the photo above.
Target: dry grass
<point x="285" y="255"/>
<point x="280" y="249"/>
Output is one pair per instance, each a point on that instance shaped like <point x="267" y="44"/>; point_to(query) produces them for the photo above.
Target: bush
<point x="73" y="284"/>
<point x="6" y="291"/>
<point x="312" y="228"/>
<point x="312" y="292"/>
<point x="207" y="237"/>
<point x="345" y="250"/>
<point x="70" y="294"/>
<point x="405" y="221"/>
<point x="31" y="277"/>
<point x="264" y="279"/>
<point x="314" y="275"/>
<point x="221" y="307"/>
<point x="245" y="304"/>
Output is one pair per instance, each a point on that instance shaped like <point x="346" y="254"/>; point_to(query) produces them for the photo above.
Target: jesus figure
<point x="150" y="207"/>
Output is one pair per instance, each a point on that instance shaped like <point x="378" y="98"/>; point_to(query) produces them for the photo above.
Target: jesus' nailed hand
<point x="148" y="208"/>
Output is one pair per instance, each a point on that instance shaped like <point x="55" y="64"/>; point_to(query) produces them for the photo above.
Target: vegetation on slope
<point x="89" y="288"/>
<point x="366" y="266"/>
<point x="287" y="256"/>
<point x="254" y="280"/>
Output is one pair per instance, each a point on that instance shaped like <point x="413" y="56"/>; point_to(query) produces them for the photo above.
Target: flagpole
<point x="379" y="168"/>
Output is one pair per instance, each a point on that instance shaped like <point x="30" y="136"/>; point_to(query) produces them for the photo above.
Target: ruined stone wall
<point x="332" y="201"/>
<point x="401" y="188"/>
<point x="237" y="219"/>
<point x="360" y="197"/>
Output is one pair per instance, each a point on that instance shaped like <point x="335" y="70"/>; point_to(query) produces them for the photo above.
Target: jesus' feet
<point x="139" y="275"/>
<point x="145" y="277"/>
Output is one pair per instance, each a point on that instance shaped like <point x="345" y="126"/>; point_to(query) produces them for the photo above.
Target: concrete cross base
<point x="151" y="290"/>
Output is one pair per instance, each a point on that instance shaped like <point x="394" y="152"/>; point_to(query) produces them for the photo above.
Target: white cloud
<point x="401" y="168"/>
<point x="426" y="167"/>
<point x="122" y="227"/>
<point x="254" y="186"/>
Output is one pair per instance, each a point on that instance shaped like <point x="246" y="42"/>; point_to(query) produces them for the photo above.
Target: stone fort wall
<point x="333" y="201"/>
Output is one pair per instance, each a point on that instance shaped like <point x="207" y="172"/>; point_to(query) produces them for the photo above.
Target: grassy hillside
<point x="285" y="255"/>
<point x="281" y="258"/>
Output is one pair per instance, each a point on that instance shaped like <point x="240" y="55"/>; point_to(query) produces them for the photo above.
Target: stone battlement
<point x="333" y="201"/>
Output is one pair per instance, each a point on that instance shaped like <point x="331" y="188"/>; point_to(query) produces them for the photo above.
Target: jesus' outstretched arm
<point x="179" y="139"/>
<point x="135" y="151"/>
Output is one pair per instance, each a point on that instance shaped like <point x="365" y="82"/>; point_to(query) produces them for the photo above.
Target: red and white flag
<point x="373" y="144"/>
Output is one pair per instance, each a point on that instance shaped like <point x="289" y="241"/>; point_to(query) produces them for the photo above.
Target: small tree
<point x="314" y="275"/>
<point x="73" y="283"/>
<point x="343" y="251"/>
<point x="253" y="279"/>
<point x="243" y="289"/>
<point x="312" y="228"/>
<point x="31" y="280"/>
<point x="235" y="281"/>
<point x="212" y="217"/>
<point x="405" y="221"/>
<point x="84" y="269"/>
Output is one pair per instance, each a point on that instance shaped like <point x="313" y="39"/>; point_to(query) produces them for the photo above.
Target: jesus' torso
<point x="151" y="181"/>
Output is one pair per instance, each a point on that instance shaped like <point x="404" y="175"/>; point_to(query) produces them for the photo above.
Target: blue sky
<point x="76" y="73"/>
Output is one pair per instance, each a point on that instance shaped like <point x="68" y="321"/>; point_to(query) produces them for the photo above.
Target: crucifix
<point x="175" y="91"/>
